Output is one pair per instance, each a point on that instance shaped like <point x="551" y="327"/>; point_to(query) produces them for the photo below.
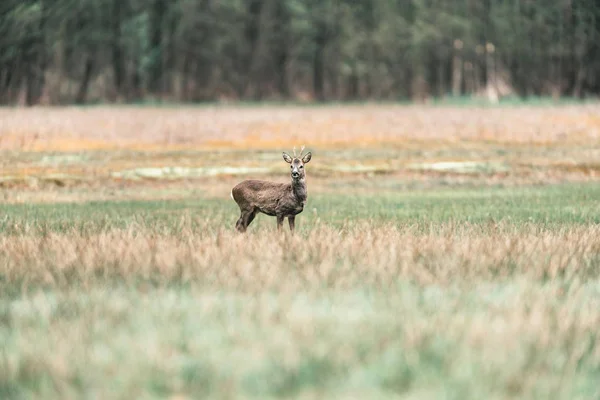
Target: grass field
<point x="428" y="263"/>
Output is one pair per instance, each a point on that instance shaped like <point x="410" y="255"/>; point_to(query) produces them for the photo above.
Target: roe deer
<point x="279" y="200"/>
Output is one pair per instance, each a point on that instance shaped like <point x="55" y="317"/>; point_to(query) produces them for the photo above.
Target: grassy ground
<point x="436" y="294"/>
<point x="409" y="276"/>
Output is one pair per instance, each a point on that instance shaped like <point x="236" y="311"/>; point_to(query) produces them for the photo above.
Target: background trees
<point x="81" y="51"/>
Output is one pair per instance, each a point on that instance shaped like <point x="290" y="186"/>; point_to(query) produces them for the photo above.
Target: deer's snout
<point x="295" y="174"/>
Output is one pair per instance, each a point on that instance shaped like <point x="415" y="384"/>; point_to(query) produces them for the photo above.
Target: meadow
<point x="445" y="252"/>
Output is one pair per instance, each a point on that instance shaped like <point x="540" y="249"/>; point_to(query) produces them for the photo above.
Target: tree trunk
<point x="470" y="78"/>
<point x="118" y="61"/>
<point x="319" y="67"/>
<point x="41" y="53"/>
<point x="281" y="63"/>
<point x="353" y="85"/>
<point x="457" y="69"/>
<point x="418" y="83"/>
<point x="30" y="76"/>
<point x="579" y="80"/>
<point x="52" y="90"/>
<point x="441" y="82"/>
<point x="281" y="51"/>
<point x="251" y="68"/>
<point x="85" y="80"/>
<point x="35" y="51"/>
<point x="155" y="75"/>
<point x="490" y="68"/>
<point x="180" y="82"/>
<point x="4" y="84"/>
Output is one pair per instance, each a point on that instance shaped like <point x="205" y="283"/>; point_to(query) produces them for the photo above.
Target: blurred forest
<point x="85" y="51"/>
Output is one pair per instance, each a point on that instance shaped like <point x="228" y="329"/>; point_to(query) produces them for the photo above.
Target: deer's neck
<point x="299" y="189"/>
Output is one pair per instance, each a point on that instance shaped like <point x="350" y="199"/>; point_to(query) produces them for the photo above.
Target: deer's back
<point x="263" y="195"/>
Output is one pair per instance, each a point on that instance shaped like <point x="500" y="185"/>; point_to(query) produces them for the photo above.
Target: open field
<point x="273" y="126"/>
<point x="455" y="254"/>
<point x="109" y="147"/>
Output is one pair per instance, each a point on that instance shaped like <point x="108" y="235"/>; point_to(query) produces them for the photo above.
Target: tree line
<point x="82" y="51"/>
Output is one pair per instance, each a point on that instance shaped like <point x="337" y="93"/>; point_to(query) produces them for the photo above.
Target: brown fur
<point x="281" y="200"/>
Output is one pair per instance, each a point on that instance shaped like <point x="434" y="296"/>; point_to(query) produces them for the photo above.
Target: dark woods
<point x="81" y="51"/>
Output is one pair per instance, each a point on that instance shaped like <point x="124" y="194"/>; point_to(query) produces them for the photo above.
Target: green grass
<point x="544" y="205"/>
<point x="433" y="294"/>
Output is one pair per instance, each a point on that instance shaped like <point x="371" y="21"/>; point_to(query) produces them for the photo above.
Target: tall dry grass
<point x="357" y="255"/>
<point x="111" y="300"/>
<point x="74" y="128"/>
<point x="69" y="147"/>
<point x="368" y="311"/>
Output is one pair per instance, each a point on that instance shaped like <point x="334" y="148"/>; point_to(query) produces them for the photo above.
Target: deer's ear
<point x="287" y="158"/>
<point x="307" y="157"/>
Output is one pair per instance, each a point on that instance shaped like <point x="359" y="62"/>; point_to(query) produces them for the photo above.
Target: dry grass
<point x="106" y="146"/>
<point x="401" y="282"/>
<point x="70" y="129"/>
<point x="372" y="311"/>
<point x="352" y="256"/>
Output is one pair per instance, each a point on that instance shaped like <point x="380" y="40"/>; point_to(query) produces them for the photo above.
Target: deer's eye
<point x="301" y="166"/>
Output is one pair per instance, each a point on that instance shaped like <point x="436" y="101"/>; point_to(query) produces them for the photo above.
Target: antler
<point x="301" y="151"/>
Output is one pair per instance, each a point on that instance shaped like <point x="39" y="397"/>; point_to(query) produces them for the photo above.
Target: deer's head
<point x="297" y="163"/>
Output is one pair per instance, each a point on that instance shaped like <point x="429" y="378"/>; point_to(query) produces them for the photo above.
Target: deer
<point x="281" y="200"/>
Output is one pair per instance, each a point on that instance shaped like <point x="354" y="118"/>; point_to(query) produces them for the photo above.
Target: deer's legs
<point x="280" y="219"/>
<point x="249" y="217"/>
<point x="239" y="225"/>
<point x="245" y="219"/>
<point x="292" y="221"/>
